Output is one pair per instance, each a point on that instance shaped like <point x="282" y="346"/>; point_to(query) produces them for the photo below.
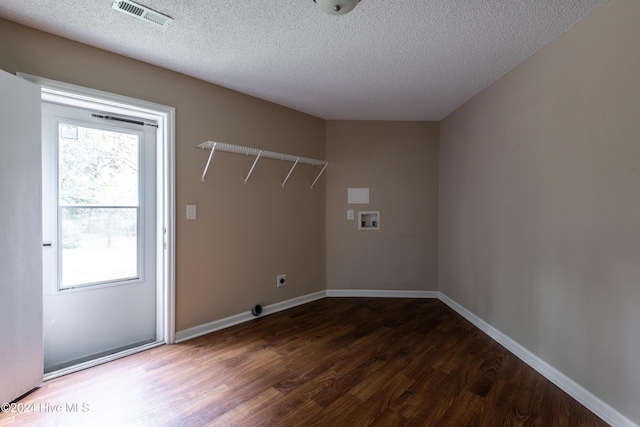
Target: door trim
<point x="56" y="91"/>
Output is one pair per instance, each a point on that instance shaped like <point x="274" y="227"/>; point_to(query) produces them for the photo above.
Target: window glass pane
<point x="98" y="245"/>
<point x="97" y="167"/>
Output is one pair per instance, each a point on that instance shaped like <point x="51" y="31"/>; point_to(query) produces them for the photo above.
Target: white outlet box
<point x="281" y="280"/>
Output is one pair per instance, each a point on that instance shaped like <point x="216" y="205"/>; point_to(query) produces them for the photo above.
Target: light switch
<point x="350" y="214"/>
<point x="191" y="211"/>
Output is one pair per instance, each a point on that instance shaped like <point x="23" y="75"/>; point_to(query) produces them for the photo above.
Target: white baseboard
<point x="373" y="293"/>
<point x="217" y="325"/>
<point x="573" y="389"/>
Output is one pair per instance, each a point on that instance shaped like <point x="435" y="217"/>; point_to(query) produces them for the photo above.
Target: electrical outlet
<point x="281" y="280"/>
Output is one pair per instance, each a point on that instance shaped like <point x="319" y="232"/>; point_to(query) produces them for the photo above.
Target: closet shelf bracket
<point x="206" y="168"/>
<point x="318" y="177"/>
<point x="254" y="165"/>
<point x="289" y="174"/>
<point x="221" y="146"/>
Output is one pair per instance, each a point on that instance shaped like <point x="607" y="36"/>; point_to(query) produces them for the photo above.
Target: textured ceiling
<point x="386" y="60"/>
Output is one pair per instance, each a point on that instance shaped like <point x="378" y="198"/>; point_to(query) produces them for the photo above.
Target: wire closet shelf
<point x="238" y="149"/>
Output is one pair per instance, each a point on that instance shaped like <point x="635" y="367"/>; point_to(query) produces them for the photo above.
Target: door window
<point x="99" y="233"/>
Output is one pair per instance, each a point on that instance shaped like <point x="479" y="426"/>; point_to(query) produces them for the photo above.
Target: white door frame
<point x="165" y="116"/>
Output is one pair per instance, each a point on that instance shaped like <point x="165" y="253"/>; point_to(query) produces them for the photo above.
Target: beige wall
<point x="534" y="186"/>
<point x="540" y="205"/>
<point x="227" y="259"/>
<point x="398" y="162"/>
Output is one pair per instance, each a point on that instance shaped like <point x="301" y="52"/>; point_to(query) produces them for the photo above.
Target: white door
<point x="99" y="229"/>
<point x="20" y="238"/>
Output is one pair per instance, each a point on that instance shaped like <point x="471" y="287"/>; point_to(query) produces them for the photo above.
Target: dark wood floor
<point x="334" y="362"/>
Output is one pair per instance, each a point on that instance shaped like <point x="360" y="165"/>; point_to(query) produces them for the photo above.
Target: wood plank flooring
<point x="334" y="362"/>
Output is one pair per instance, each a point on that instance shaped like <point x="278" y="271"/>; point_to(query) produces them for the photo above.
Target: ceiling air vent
<point x="141" y="12"/>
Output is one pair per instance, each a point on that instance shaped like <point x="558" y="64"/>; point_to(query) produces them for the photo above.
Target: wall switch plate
<point x="191" y="212"/>
<point x="281" y="280"/>
<point x="350" y="214"/>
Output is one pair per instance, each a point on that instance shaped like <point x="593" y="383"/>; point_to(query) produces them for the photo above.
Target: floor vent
<point x="141" y="12"/>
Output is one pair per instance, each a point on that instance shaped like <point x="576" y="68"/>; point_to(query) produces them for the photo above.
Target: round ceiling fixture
<point x="336" y="7"/>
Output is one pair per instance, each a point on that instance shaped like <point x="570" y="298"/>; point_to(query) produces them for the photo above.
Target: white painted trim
<point x="55" y="88"/>
<point x="152" y="111"/>
<point x="170" y="224"/>
<point x="227" y="322"/>
<point x="379" y="293"/>
<point x="573" y="389"/>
